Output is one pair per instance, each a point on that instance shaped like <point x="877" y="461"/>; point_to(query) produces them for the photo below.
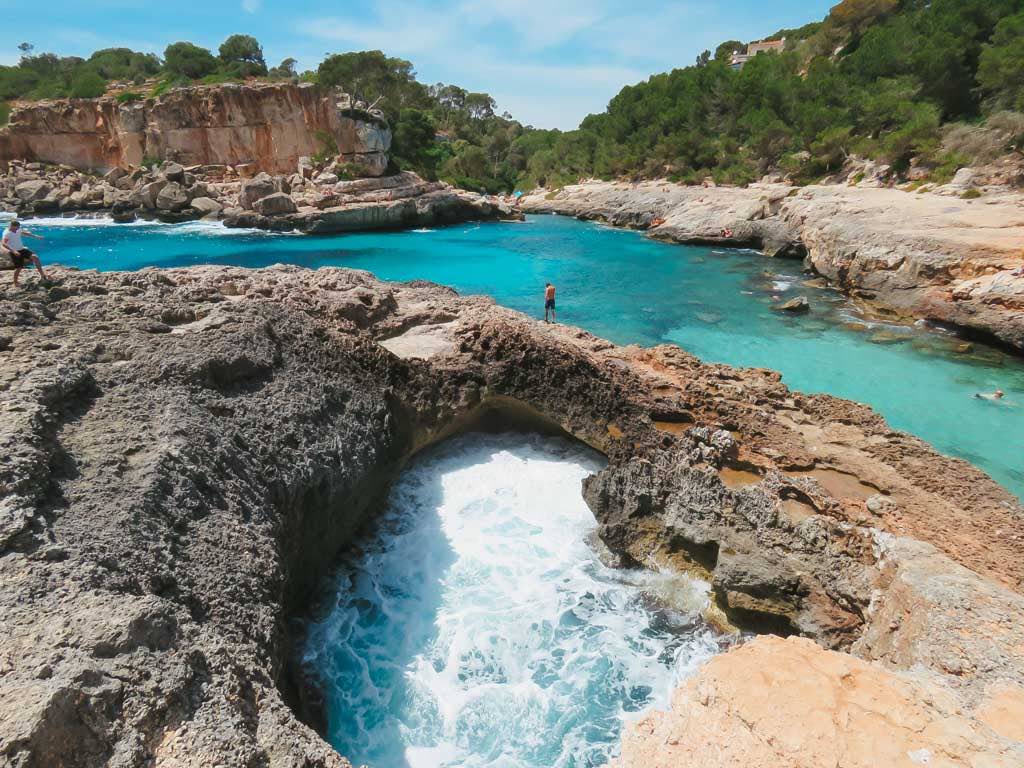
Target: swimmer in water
<point x="997" y="395"/>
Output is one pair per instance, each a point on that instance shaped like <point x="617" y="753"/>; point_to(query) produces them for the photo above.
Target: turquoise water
<point x="478" y="627"/>
<point x="630" y="289"/>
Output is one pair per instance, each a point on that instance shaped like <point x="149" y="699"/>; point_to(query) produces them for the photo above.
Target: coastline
<point x="192" y="447"/>
<point x="902" y="255"/>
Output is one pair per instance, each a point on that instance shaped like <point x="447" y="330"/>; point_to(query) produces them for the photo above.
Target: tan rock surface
<point x="776" y="703"/>
<point x="267" y="127"/>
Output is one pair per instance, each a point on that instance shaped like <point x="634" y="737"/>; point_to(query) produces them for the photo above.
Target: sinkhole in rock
<point x="477" y="622"/>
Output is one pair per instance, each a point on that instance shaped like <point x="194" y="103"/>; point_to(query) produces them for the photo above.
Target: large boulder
<point x="114" y="175"/>
<point x="173" y="171"/>
<point x="172" y="198"/>
<point x="275" y="205"/>
<point x="256" y="188"/>
<point x="147" y="194"/>
<point x="32" y="191"/>
<point x="206" y="205"/>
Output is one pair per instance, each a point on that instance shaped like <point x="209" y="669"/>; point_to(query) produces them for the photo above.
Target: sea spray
<point x="478" y="626"/>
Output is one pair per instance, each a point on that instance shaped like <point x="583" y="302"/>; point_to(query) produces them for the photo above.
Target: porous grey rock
<point x="184" y="468"/>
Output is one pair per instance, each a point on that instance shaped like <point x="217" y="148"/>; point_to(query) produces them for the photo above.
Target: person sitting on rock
<point x="549" y="302"/>
<point x="20" y="256"/>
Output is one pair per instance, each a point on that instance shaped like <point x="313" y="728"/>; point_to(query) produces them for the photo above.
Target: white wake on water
<point x="478" y="626"/>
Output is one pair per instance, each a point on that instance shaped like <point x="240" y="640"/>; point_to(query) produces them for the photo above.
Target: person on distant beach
<point x="997" y="395"/>
<point x="20" y="256"/>
<point x="549" y="302"/>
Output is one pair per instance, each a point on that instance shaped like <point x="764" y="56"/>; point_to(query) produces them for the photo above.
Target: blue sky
<point x="548" y="62"/>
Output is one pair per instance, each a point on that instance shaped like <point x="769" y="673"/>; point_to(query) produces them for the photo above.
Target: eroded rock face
<point x="186" y="451"/>
<point x="267" y="127"/>
<point x="931" y="256"/>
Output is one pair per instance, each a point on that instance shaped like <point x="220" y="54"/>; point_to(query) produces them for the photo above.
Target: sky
<point x="548" y="62"/>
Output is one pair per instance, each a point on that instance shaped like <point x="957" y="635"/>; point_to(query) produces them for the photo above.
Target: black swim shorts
<point x="549" y="304"/>
<point x="21" y="258"/>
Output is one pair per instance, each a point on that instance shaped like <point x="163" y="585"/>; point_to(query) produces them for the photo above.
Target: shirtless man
<point x="549" y="302"/>
<point x="997" y="395"/>
<point x="20" y="256"/>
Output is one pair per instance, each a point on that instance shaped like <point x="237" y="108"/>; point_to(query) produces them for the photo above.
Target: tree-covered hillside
<point x="929" y="84"/>
<point x="878" y="78"/>
<point x="441" y="131"/>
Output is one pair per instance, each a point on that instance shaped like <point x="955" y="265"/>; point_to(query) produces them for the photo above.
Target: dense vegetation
<point x="878" y="78"/>
<point x="441" y="131"/>
<point x="931" y="84"/>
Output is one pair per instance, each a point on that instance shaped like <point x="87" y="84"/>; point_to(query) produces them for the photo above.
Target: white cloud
<point x="536" y="23"/>
<point x="399" y="29"/>
<point x="251" y="6"/>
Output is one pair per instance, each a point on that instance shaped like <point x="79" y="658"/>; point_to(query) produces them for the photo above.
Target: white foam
<point x="197" y="227"/>
<point x="479" y="628"/>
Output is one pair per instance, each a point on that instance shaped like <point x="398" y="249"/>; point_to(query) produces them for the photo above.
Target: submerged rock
<point x="798" y="305"/>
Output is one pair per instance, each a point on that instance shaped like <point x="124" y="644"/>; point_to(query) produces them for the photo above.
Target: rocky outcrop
<point x="171" y="192"/>
<point x="186" y="451"/>
<point x="264" y="127"/>
<point x="789" y="704"/>
<point x="932" y="256"/>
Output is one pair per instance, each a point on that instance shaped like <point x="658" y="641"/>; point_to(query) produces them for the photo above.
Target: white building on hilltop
<point x="762" y="46"/>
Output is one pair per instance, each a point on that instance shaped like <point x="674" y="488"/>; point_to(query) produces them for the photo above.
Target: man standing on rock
<point x="13" y="246"/>
<point x="549" y="302"/>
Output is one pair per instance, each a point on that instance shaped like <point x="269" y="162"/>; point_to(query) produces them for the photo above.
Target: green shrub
<point x="5" y="112"/>
<point x="129" y="96"/>
<point x="328" y="147"/>
<point x="88" y="85"/>
<point x="160" y="89"/>
<point x="971" y="194"/>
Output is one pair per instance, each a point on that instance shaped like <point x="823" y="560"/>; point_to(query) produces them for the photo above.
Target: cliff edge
<point x="261" y="127"/>
<point x="184" y="452"/>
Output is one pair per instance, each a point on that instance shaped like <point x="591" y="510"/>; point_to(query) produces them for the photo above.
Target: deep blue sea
<point x="630" y="289"/>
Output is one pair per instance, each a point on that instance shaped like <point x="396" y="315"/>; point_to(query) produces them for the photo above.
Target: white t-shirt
<point x="12" y="240"/>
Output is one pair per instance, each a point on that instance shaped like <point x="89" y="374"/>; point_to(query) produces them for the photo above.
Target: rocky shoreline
<point x="186" y="451"/>
<point x="934" y="256"/>
<point x="313" y="200"/>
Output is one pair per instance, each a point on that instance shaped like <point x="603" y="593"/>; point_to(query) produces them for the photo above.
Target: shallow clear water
<point x="477" y="626"/>
<point x="625" y="287"/>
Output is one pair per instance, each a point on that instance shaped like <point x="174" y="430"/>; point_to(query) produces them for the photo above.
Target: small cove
<point x="476" y="623"/>
<point x="617" y="284"/>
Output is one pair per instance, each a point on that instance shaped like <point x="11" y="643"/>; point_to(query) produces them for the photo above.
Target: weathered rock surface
<point x="267" y="126"/>
<point x="932" y="256"/>
<point x="184" y="452"/>
<point x="776" y="703"/>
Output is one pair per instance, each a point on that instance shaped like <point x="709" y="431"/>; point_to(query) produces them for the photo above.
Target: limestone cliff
<point x="266" y="127"/>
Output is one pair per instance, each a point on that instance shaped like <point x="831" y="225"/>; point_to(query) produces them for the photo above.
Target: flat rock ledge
<point x="934" y="256"/>
<point x="185" y="452"/>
